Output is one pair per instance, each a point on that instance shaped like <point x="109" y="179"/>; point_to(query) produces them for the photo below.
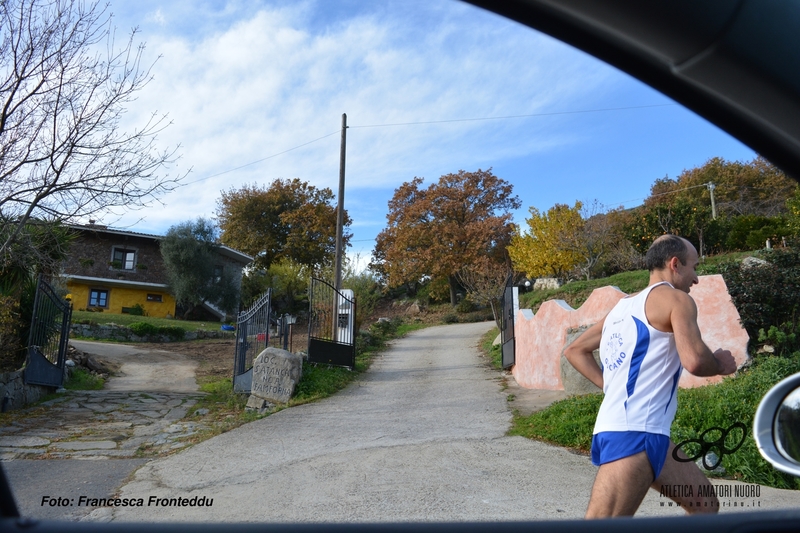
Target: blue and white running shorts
<point x="609" y="446"/>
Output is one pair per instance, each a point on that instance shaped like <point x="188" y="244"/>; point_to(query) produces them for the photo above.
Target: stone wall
<point x="14" y="393"/>
<point x="91" y="254"/>
<point x="541" y="338"/>
<point x="113" y="332"/>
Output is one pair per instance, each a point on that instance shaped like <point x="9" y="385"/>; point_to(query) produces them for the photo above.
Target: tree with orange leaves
<point x="288" y="219"/>
<point x="436" y="231"/>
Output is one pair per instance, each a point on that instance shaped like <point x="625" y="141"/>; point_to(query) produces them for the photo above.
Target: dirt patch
<point x="214" y="357"/>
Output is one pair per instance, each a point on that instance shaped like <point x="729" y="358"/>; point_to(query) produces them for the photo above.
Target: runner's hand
<point x="725" y="362"/>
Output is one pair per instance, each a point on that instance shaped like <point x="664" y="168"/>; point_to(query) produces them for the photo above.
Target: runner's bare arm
<point x="696" y="356"/>
<point x="579" y="353"/>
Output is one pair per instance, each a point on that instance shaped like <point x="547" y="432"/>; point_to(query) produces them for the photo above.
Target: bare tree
<point x="64" y="86"/>
<point x="485" y="281"/>
<point x="595" y="239"/>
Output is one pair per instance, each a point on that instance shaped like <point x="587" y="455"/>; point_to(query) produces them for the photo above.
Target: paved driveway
<point x="421" y="436"/>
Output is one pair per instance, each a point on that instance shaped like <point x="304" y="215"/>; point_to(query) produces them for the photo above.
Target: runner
<point x="645" y="342"/>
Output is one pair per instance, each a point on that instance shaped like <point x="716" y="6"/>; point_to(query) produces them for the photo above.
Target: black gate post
<point x="252" y="337"/>
<point x="331" y="336"/>
<point x="507" y="343"/>
<point x="48" y="338"/>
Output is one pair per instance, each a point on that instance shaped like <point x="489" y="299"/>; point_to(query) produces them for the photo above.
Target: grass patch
<point x="492" y="351"/>
<point x="87" y="317"/>
<point x="570" y="422"/>
<point x="567" y="422"/>
<point x="736" y="400"/>
<point x="82" y="379"/>
<point x="576" y="292"/>
<point x="226" y="409"/>
<point x="404" y="329"/>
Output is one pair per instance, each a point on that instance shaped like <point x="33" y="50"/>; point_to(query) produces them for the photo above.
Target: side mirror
<point x="777" y="426"/>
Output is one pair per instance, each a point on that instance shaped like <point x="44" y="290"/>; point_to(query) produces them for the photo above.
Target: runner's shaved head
<point x="665" y="248"/>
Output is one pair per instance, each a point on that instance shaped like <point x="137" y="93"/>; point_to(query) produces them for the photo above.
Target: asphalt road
<point x="421" y="436"/>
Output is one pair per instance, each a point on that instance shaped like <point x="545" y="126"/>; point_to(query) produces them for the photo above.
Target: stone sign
<point x="275" y="375"/>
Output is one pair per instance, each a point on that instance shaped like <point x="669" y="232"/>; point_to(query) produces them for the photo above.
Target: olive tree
<point x="192" y="265"/>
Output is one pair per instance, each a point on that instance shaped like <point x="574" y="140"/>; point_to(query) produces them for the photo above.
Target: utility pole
<point x="711" y="188"/>
<point x="339" y="230"/>
<point x="340" y="211"/>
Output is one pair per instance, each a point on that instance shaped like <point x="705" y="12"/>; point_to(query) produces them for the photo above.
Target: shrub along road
<point x="420" y="436"/>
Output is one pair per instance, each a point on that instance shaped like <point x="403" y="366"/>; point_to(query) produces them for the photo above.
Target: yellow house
<point x="121" y="271"/>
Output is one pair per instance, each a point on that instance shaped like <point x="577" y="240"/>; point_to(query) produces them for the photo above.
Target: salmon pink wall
<point x="540" y="338"/>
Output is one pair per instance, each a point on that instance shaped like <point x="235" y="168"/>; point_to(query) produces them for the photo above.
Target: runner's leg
<point x="620" y="486"/>
<point x="677" y="473"/>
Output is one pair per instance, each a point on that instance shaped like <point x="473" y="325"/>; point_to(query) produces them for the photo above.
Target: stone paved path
<point x="101" y="425"/>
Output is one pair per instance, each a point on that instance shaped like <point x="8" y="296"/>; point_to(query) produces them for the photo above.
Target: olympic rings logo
<point x="697" y="448"/>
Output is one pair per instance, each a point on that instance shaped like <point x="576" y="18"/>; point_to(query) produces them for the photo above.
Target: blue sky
<point x="245" y="81"/>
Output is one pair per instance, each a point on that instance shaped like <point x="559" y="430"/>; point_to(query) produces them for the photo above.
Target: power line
<point x="506" y="117"/>
<point x="663" y="193"/>
<point x="455" y="120"/>
<point x="260" y="160"/>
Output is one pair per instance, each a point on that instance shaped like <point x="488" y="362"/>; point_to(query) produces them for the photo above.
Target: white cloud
<point x="269" y="81"/>
<point x="157" y="17"/>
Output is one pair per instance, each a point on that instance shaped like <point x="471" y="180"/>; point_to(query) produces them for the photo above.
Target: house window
<point x="98" y="298"/>
<point x="218" y="273"/>
<point x="154" y="298"/>
<point x="124" y="259"/>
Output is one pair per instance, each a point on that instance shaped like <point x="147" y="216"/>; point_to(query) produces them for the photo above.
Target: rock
<point x="95" y="365"/>
<point x="254" y="403"/>
<point x="413" y="309"/>
<point x="546" y="283"/>
<point x="750" y="262"/>
<point x="574" y="382"/>
<point x="201" y="412"/>
<point x="497" y="340"/>
<point x="276" y="372"/>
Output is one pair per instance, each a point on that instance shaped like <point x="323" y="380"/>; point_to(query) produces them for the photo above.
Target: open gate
<point x="331" y="325"/>
<point x="252" y="336"/>
<point x="509" y="306"/>
<point x="48" y="337"/>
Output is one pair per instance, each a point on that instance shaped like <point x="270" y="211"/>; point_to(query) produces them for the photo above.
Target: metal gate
<point x="48" y="337"/>
<point x="252" y="336"/>
<point x="507" y="304"/>
<point x="331" y="331"/>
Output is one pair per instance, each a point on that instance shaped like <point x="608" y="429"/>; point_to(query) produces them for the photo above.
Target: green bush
<point x="450" y="318"/>
<point x="766" y="295"/>
<point x="11" y="352"/>
<point x="482" y="315"/>
<point x="750" y="232"/>
<point x="465" y="306"/>
<point x="783" y="338"/>
<point x="137" y="310"/>
<point x="176" y="333"/>
<point x="385" y="328"/>
<point x="82" y="379"/>
<point x="143" y="329"/>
